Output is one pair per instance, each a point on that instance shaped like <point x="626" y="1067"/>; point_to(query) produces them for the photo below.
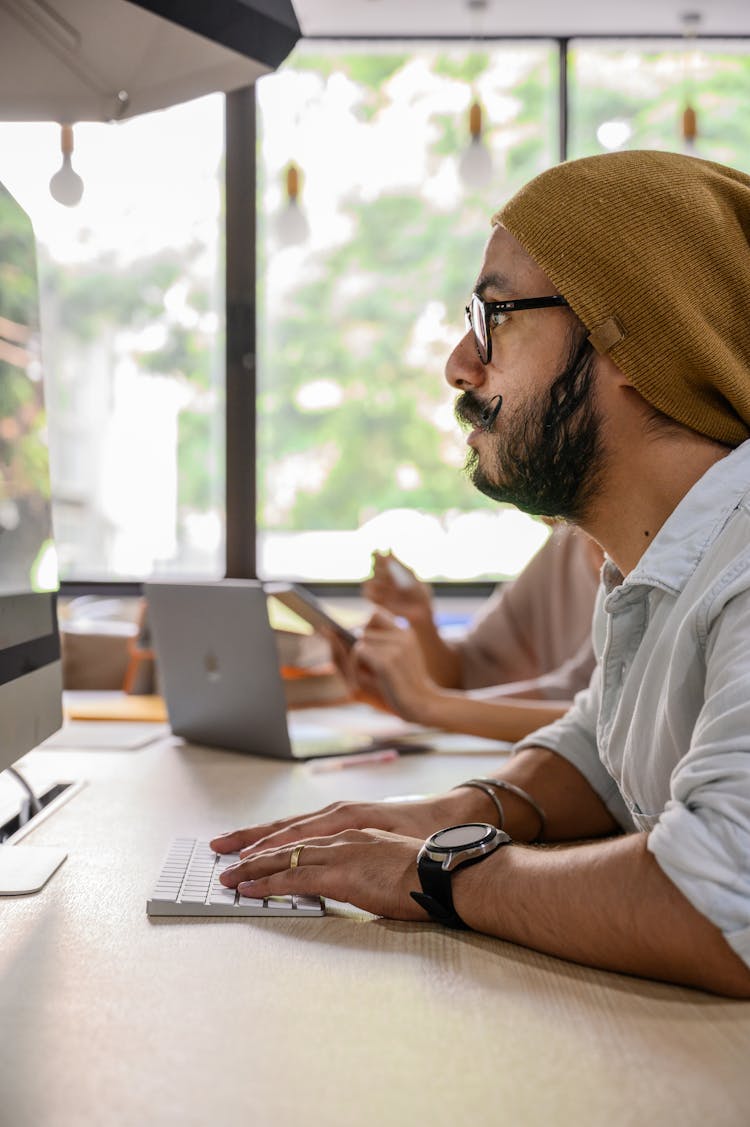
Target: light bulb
<point x="613" y="134"/>
<point x="475" y="165"/>
<point x="66" y="186"/>
<point x="291" y="226"/>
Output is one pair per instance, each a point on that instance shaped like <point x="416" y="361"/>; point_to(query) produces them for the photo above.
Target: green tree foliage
<point x="99" y="294"/>
<point x="649" y="89"/>
<point x="352" y="319"/>
<point x="95" y="301"/>
<point x="381" y="421"/>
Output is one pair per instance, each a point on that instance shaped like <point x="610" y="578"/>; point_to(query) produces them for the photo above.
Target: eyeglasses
<point x="479" y="316"/>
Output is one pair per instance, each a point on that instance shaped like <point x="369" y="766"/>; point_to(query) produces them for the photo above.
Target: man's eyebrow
<point x="498" y="282"/>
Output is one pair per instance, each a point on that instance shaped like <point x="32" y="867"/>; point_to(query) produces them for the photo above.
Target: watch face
<point x="462" y="837"/>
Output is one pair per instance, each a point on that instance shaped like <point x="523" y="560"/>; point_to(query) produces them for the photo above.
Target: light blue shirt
<point x="662" y="733"/>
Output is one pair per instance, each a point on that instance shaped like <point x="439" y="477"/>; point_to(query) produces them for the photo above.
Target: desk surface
<point x="110" y="1018"/>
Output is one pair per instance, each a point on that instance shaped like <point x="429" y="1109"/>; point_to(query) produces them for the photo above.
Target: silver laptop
<point x="220" y="675"/>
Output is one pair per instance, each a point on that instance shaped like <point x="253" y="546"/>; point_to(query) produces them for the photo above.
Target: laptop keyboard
<point x="188" y="885"/>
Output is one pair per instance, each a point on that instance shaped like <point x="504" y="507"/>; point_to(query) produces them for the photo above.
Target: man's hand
<point x="363" y="853"/>
<point x="372" y="869"/>
<point x="414" y="818"/>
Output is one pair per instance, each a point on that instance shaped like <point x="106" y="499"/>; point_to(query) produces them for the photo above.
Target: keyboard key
<point x="280" y="903"/>
<point x="251" y="901"/>
<point x="307" y="903"/>
<point x="222" y="896"/>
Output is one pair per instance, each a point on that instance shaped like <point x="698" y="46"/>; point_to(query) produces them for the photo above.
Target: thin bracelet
<point x="524" y="796"/>
<point x="480" y="784"/>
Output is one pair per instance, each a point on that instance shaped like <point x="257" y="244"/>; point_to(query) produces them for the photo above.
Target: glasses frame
<point x="486" y="309"/>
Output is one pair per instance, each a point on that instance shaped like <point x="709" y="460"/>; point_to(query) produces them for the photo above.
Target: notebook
<point x="219" y="669"/>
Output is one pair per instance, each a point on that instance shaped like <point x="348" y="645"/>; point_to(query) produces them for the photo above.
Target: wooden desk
<point x="109" y="1018"/>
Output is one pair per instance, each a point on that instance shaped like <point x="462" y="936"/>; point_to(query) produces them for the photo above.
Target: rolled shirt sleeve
<point x="702" y="839"/>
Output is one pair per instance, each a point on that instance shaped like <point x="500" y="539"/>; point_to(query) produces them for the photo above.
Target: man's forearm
<point x="604" y="904"/>
<point x="573" y="810"/>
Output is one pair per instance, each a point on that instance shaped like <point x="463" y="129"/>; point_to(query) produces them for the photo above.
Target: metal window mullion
<point x="563" y="95"/>
<point x="240" y="392"/>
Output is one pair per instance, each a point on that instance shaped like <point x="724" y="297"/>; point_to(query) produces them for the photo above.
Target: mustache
<point x="473" y="412"/>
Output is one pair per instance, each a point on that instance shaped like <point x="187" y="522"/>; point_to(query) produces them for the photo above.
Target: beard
<point x="549" y="457"/>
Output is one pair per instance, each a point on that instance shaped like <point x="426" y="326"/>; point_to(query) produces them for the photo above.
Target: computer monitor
<point x="30" y="667"/>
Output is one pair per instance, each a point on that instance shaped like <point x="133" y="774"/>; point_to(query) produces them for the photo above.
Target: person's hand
<point x="362" y="853"/>
<point x="360" y="681"/>
<point x="386" y="668"/>
<point x="372" y="869"/>
<point x="388" y="661"/>
<point x="395" y="587"/>
<point x="410" y="817"/>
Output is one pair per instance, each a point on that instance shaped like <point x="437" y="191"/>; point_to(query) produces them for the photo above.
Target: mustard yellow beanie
<point x="652" y="252"/>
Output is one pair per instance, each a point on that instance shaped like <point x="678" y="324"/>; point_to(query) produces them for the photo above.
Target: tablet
<point x="309" y="608"/>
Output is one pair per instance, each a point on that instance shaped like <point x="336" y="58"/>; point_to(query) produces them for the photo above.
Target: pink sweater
<point x="537" y="629"/>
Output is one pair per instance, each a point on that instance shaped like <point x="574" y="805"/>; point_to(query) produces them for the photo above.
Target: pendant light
<point x="475" y="165"/>
<point x="66" y="186"/>
<point x="291" y="226"/>
<point x="690" y="22"/>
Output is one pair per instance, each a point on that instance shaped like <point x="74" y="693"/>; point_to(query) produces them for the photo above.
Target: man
<point x="627" y="411"/>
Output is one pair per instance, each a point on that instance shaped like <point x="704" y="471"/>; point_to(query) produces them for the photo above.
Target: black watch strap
<point x="436" y="911"/>
<point x="436" y="896"/>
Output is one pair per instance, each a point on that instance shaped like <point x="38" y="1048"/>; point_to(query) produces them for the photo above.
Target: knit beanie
<point x="652" y="252"/>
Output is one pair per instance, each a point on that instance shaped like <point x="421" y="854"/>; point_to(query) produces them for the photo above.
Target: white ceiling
<point x="519" y="17"/>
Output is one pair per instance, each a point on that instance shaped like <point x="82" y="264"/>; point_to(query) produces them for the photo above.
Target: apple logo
<point x="211" y="665"/>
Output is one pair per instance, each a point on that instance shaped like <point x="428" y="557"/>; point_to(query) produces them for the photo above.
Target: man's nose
<point x="464" y="369"/>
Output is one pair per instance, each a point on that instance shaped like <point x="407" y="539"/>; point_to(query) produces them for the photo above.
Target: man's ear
<point x="610" y="374"/>
<point x="620" y="395"/>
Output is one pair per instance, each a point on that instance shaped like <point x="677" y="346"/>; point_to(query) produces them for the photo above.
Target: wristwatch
<point x="445" y="852"/>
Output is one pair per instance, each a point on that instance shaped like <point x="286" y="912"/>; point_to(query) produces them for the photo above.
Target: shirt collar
<point x="691" y="528"/>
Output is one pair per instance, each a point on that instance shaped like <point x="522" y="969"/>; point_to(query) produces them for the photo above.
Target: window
<point x="633" y="95"/>
<point x="132" y="319"/>
<point x="358" y="447"/>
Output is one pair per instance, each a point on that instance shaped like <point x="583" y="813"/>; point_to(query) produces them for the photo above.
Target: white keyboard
<point x="188" y="885"/>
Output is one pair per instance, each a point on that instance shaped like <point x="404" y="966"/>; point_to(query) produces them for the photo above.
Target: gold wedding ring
<point x="294" y="860"/>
